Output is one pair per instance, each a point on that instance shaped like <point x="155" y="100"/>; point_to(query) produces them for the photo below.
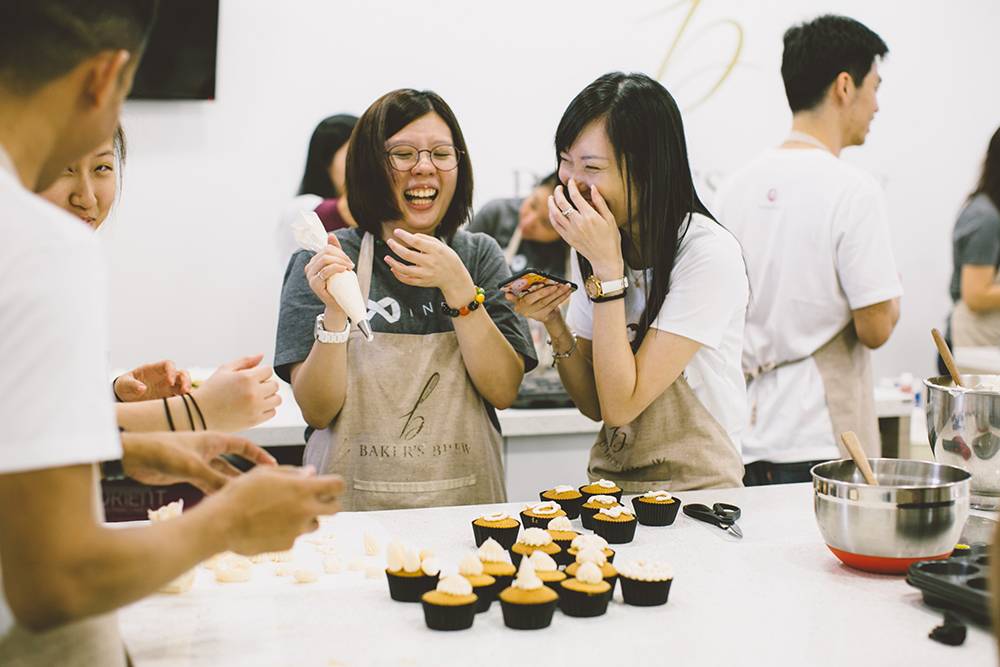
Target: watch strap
<point x="323" y="336"/>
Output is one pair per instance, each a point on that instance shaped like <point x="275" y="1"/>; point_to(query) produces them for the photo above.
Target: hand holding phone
<point x="529" y="280"/>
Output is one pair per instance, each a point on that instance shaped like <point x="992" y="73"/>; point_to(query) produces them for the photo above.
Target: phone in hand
<point x="527" y="281"/>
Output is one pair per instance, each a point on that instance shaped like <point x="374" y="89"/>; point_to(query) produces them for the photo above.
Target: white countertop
<point x="777" y="597"/>
<point x="287" y="426"/>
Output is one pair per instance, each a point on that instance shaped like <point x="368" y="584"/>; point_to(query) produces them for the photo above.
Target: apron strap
<point x="752" y="374"/>
<point x="365" y="258"/>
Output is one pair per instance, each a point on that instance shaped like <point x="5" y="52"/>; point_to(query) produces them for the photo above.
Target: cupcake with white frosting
<point x="591" y="541"/>
<point x="528" y="604"/>
<point x="562" y="534"/>
<point x="595" y="557"/>
<point x="593" y="505"/>
<point x="501" y="526"/>
<point x="483" y="585"/>
<point x="538" y="515"/>
<point x="496" y="563"/>
<point x="645" y="583"/>
<point x="616" y="525"/>
<point x="586" y="594"/>
<point x="547" y="569"/>
<point x="451" y="605"/>
<point x="656" y="508"/>
<point x="602" y="487"/>
<point x="409" y="575"/>
<point x="568" y="497"/>
<point x="532" y="540"/>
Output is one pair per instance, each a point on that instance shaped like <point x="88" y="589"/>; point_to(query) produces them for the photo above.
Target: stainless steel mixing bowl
<point x="916" y="512"/>
<point x="963" y="427"/>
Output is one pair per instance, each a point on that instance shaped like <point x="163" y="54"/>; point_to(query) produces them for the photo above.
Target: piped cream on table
<point x="342" y="286"/>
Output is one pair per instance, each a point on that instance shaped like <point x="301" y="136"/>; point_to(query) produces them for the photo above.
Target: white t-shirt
<point x="55" y="398"/>
<point x="707" y="303"/>
<point x="815" y="236"/>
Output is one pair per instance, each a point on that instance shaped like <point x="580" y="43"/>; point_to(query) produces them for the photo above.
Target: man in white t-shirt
<point x="65" y="68"/>
<point x="814" y="230"/>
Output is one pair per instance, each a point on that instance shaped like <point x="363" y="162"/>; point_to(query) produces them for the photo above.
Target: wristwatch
<point x="323" y="336"/>
<point x="606" y="290"/>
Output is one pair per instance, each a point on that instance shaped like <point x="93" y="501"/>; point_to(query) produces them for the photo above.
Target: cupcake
<point x="645" y="583"/>
<point x="587" y="594"/>
<point x="483" y="585"/>
<point x="656" y="508"/>
<point x="602" y="487"/>
<point x="616" y="525"/>
<point x="538" y="515"/>
<point x="546" y="569"/>
<point x="528" y="604"/>
<point x="409" y="576"/>
<point x="592" y="506"/>
<point x="569" y="498"/>
<point x="562" y="534"/>
<point x="496" y="563"/>
<point x="608" y="571"/>
<point x="451" y="605"/>
<point x="532" y="540"/>
<point x="500" y="526"/>
<point x="588" y="541"/>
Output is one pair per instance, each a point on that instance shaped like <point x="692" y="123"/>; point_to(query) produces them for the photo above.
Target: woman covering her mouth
<point x="651" y="345"/>
<point x="408" y="420"/>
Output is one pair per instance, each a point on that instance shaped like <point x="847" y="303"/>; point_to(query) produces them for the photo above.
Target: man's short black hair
<point x="818" y="51"/>
<point x="41" y="40"/>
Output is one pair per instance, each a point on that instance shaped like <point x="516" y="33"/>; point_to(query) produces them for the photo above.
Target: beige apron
<point x="969" y="329"/>
<point x="675" y="444"/>
<point x="413" y="431"/>
<point x="88" y="643"/>
<point x="844" y="365"/>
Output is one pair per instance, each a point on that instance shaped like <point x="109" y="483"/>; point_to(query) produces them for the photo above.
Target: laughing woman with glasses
<point x="408" y="419"/>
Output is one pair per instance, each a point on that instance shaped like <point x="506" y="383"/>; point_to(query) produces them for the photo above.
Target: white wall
<point x="195" y="274"/>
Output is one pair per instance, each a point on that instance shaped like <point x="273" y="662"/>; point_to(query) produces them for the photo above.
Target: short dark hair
<point x="373" y="202"/>
<point x="42" y="40"/>
<point x="818" y="51"/>
<point x="328" y="137"/>
<point x="550" y="181"/>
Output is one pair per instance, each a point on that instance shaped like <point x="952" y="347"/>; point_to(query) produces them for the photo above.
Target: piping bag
<point x="342" y="286"/>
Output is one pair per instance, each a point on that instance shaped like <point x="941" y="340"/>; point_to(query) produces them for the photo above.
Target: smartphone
<point x="527" y="281"/>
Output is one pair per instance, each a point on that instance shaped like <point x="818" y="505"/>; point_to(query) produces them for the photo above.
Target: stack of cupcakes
<point x="538" y="515"/>
<point x="616" y="525"/>
<point x="500" y="526"/>
<point x="409" y="575"/>
<point x="656" y="508"/>
<point x="532" y="540"/>
<point x="569" y="498"/>
<point x="528" y="604"/>
<point x="645" y="583"/>
<point x="496" y="563"/>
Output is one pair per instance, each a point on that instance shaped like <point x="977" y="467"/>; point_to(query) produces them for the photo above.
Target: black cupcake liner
<point x="554" y="585"/>
<point x="485" y="595"/>
<point x="563" y="557"/>
<point x="616" y="532"/>
<point x="580" y="604"/>
<point x="515" y="558"/>
<point x="655" y="514"/>
<point x="409" y="589"/>
<point x="441" y="617"/>
<point x="503" y="581"/>
<point x="569" y="505"/>
<point x="617" y="495"/>
<point x="535" y="522"/>
<point x="645" y="593"/>
<point x="505" y="536"/>
<point x="528" y="616"/>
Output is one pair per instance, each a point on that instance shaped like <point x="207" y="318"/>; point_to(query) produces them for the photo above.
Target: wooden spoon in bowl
<point x="853" y="445"/>
<point x="949" y="361"/>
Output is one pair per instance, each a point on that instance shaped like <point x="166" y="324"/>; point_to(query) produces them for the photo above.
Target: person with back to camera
<point x="975" y="292"/>
<point x="651" y="344"/>
<point x="408" y="418"/>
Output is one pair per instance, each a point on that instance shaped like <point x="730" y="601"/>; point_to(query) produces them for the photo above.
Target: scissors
<point x="722" y="515"/>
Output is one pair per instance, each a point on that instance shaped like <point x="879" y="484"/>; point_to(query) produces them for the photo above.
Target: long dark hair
<point x="331" y="133"/>
<point x="989" y="180"/>
<point x="644" y="127"/>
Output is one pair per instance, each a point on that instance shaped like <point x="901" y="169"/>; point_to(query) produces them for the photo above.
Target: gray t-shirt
<point x="394" y="307"/>
<point x="499" y="218"/>
<point x="976" y="239"/>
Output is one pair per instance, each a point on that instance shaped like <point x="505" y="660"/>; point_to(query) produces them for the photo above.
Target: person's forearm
<point x="320" y="382"/>
<point x="495" y="368"/>
<point x="614" y="362"/>
<point x="984" y="300"/>
<point x="575" y="371"/>
<point x="147" y="416"/>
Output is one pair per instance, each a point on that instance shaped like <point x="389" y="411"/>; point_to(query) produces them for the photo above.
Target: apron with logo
<point x="675" y="444"/>
<point x="844" y="365"/>
<point x="87" y="643"/>
<point x="413" y="431"/>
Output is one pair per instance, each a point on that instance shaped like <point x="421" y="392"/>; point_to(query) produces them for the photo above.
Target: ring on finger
<point x="569" y="209"/>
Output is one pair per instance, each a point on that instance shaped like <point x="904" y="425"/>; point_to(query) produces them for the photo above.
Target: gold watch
<point x="605" y="290"/>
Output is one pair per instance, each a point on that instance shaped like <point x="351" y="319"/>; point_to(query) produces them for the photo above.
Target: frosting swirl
<point x="587" y="541"/>
<point x="595" y="556"/>
<point x="536" y="537"/>
<point x="542" y="562"/>
<point x="563" y="488"/>
<point x="589" y="573"/>
<point x="455" y="585"/>
<point x="659" y="496"/>
<point x="605" y="484"/>
<point x="492" y="552"/>
<point x="615" y="512"/>
<point x="547" y="507"/>
<point x="560" y="523"/>
<point x="431" y="566"/>
<point x="603" y="500"/>
<point x="395" y="554"/>
<point x="526" y="579"/>
<point x="470" y="565"/>
<point x="495" y="516"/>
<point x="646" y="570"/>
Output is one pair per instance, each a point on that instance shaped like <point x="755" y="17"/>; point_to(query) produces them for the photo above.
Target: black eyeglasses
<point x="404" y="158"/>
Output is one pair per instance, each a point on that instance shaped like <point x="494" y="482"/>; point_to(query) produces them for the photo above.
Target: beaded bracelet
<point x="465" y="310"/>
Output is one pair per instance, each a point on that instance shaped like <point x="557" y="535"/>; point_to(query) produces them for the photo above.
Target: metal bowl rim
<point x="865" y="485"/>
<point x="938" y="382"/>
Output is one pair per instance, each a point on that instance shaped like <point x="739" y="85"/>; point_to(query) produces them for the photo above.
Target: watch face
<point x="593" y="287"/>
